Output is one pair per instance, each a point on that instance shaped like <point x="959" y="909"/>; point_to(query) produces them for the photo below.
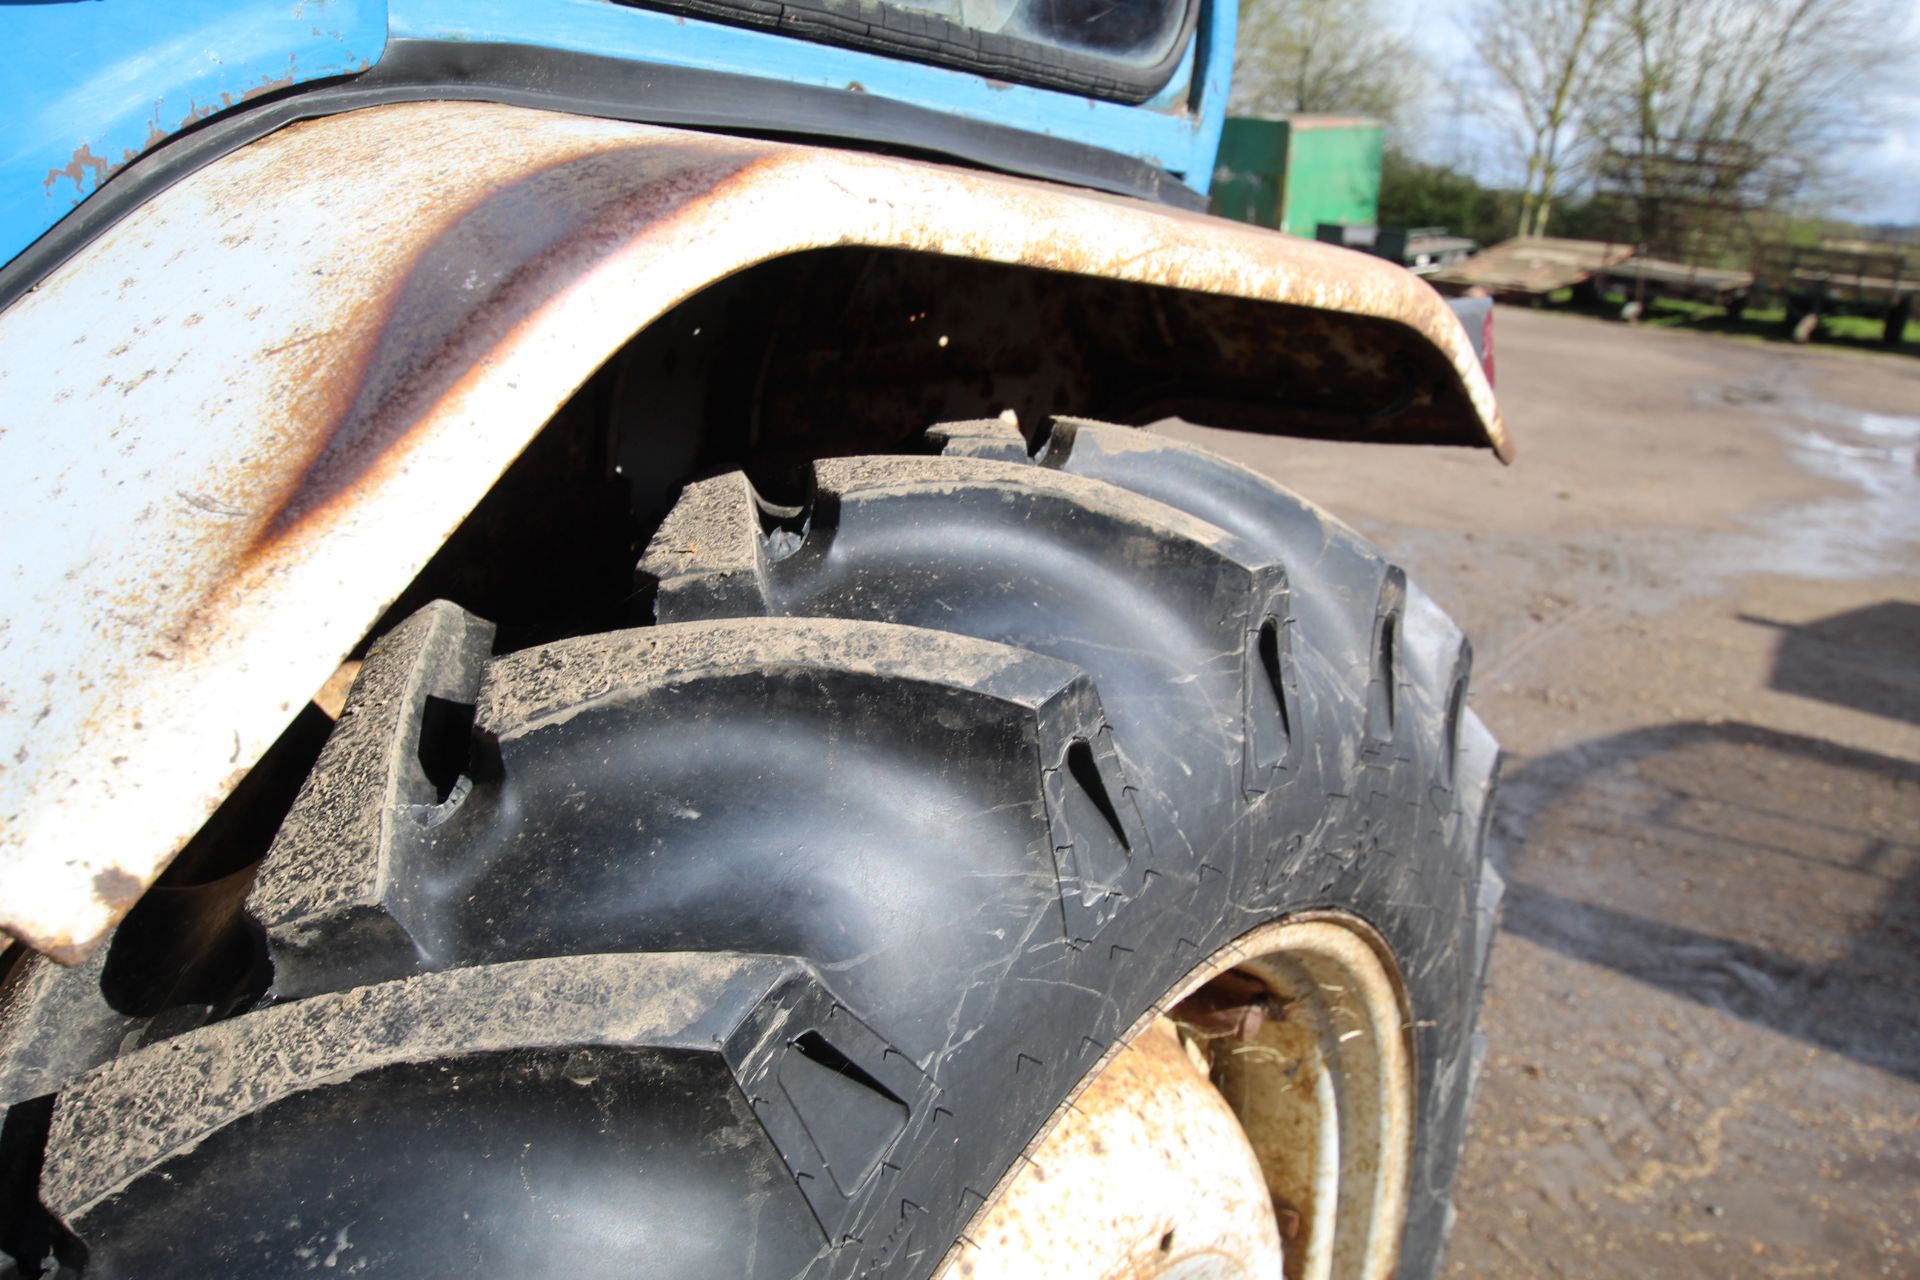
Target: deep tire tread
<point x="1128" y="700"/>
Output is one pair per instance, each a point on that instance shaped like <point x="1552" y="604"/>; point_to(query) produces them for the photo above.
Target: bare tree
<point x="1549" y="58"/>
<point x="1320" y="56"/>
<point x="1736" y="104"/>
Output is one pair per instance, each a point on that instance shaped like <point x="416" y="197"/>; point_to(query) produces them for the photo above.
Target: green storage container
<point x="1297" y="173"/>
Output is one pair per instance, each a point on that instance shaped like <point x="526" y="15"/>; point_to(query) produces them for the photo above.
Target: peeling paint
<point x="273" y="84"/>
<point x="83" y="161"/>
<point x="148" y="73"/>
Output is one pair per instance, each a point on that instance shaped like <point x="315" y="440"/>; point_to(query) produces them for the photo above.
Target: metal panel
<point x="240" y="422"/>
<point x="1178" y="136"/>
<point x="89" y="88"/>
<point x="1249" y="169"/>
<point x="1297" y="173"/>
<point x="1333" y="174"/>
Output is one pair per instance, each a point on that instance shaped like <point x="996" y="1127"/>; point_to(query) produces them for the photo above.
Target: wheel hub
<point x="1263" y="1128"/>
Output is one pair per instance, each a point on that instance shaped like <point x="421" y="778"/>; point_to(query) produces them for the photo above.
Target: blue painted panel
<point x="1219" y="29"/>
<point x="85" y="87"/>
<point x="1176" y="143"/>
<point x="88" y="85"/>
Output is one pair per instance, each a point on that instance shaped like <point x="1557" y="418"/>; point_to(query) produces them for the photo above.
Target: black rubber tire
<point x="762" y="941"/>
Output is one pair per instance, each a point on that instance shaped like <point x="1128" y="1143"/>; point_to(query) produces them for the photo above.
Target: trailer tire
<point x="765" y="940"/>
<point x="1893" y="329"/>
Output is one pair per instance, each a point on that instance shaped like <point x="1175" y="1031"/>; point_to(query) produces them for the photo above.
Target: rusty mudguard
<point x="238" y="424"/>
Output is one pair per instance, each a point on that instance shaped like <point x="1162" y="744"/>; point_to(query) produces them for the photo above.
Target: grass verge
<point x="1757" y="324"/>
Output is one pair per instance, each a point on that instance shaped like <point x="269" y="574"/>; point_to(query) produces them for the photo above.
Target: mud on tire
<point x="762" y="941"/>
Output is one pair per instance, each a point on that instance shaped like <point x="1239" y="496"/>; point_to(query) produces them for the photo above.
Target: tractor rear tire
<point x="764" y="941"/>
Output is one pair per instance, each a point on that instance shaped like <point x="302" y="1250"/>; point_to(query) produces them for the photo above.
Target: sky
<point x="1891" y="161"/>
<point x="1883" y="165"/>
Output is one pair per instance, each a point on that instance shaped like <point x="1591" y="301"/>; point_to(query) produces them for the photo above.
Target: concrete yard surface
<point x="1695" y="606"/>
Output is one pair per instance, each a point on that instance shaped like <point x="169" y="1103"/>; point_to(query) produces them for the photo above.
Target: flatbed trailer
<point x="1530" y="269"/>
<point x="1647" y="278"/>
<point x="1814" y="283"/>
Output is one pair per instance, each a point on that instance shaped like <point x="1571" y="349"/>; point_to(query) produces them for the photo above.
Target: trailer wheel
<point x="1802" y="319"/>
<point x="781" y="937"/>
<point x="1894" y="332"/>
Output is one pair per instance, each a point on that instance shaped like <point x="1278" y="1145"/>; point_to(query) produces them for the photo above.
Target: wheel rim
<point x="1262" y="1125"/>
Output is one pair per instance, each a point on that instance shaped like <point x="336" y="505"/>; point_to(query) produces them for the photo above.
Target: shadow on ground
<point x="1862" y="658"/>
<point x="1770" y="875"/>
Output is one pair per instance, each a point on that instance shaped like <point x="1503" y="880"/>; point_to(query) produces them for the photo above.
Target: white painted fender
<point x="236" y="425"/>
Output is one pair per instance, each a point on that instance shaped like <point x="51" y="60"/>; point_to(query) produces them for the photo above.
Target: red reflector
<point x="1486" y="345"/>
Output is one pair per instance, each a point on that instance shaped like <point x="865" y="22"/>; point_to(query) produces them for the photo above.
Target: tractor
<point x="604" y="671"/>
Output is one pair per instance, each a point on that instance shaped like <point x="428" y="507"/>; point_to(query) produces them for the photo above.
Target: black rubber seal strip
<point x="593" y="85"/>
<point x="921" y="36"/>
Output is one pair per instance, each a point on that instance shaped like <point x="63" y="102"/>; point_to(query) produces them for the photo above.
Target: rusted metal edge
<point x="242" y="420"/>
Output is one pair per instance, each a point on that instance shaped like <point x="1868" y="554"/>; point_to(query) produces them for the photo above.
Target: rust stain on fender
<point x="489" y="268"/>
<point x="117" y="889"/>
<point x="464" y="292"/>
<point x="253" y="409"/>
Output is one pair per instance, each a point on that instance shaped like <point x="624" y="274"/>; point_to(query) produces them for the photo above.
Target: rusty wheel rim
<point x="1262" y="1126"/>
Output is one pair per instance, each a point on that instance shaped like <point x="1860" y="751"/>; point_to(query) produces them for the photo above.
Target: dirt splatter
<point x="116" y="888"/>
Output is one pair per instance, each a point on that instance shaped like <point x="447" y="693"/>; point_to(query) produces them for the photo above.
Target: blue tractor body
<point x="122" y="97"/>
